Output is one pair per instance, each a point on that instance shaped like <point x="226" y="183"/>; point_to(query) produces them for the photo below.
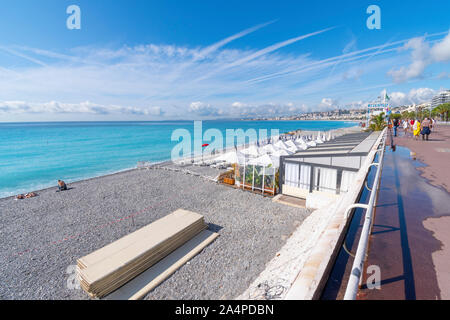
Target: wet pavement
<point x="399" y="244"/>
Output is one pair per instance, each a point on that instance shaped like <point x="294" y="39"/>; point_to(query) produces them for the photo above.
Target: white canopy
<point x="275" y="161"/>
<point x="251" y="151"/>
<point x="229" y="157"/>
<point x="264" y="160"/>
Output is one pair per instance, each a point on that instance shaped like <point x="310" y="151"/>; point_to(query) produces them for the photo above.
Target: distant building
<point x="443" y="97"/>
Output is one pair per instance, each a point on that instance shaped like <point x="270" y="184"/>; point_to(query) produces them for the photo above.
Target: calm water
<point x="34" y="155"/>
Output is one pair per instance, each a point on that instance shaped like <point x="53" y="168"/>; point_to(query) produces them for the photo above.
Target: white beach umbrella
<point x="300" y="141"/>
<point x="318" y="139"/>
<point x="282" y="152"/>
<point x="292" y="145"/>
<point x="281" y="145"/>
<point x="269" y="148"/>
<point x="261" y="151"/>
<point x="292" y="149"/>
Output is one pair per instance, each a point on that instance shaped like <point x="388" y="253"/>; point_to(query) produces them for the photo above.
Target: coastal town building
<point x="442" y="97"/>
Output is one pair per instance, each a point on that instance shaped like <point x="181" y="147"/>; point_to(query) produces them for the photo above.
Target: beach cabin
<point x="322" y="173"/>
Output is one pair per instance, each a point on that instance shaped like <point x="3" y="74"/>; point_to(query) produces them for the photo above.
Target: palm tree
<point x="377" y="123"/>
<point x="443" y="110"/>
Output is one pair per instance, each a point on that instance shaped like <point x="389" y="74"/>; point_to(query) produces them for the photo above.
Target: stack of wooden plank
<point x="110" y="267"/>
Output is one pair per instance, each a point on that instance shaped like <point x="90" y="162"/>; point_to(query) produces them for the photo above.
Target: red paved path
<point x="400" y="245"/>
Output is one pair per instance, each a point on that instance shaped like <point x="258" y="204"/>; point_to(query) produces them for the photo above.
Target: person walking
<point x="396" y="124"/>
<point x="416" y="129"/>
<point x="405" y="127"/>
<point x="425" y="131"/>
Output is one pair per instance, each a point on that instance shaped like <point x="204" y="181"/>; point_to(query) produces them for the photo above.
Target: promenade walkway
<point x="410" y="238"/>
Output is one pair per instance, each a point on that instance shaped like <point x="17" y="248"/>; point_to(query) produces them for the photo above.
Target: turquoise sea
<point x="34" y="156"/>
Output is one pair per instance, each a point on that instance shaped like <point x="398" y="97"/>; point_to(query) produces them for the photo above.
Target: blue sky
<point x="158" y="60"/>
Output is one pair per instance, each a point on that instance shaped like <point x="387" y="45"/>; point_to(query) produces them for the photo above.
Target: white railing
<point x="361" y="253"/>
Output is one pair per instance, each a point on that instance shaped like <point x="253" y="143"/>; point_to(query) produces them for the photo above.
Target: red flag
<point x="205" y="145"/>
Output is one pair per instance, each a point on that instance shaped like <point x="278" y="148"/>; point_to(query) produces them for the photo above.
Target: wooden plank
<point x="125" y="274"/>
<point x="114" y="280"/>
<point x="160" y="225"/>
<point x="110" y="267"/>
<point x="118" y="260"/>
<point x="155" y="275"/>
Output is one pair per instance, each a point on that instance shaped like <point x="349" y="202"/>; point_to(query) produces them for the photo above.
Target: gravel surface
<point x="203" y="171"/>
<point x="42" y="237"/>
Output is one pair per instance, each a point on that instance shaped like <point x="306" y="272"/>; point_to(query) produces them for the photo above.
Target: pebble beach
<point x="42" y="237"/>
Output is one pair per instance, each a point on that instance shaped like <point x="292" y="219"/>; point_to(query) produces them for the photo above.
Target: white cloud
<point x="441" y="50"/>
<point x="356" y="105"/>
<point x="163" y="80"/>
<point x="239" y="104"/>
<point x="443" y="75"/>
<point x="239" y="109"/>
<point x="53" y="107"/>
<point x="328" y="103"/>
<point x="255" y="55"/>
<point x="421" y="57"/>
<point x="203" y="109"/>
<point x="414" y="96"/>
